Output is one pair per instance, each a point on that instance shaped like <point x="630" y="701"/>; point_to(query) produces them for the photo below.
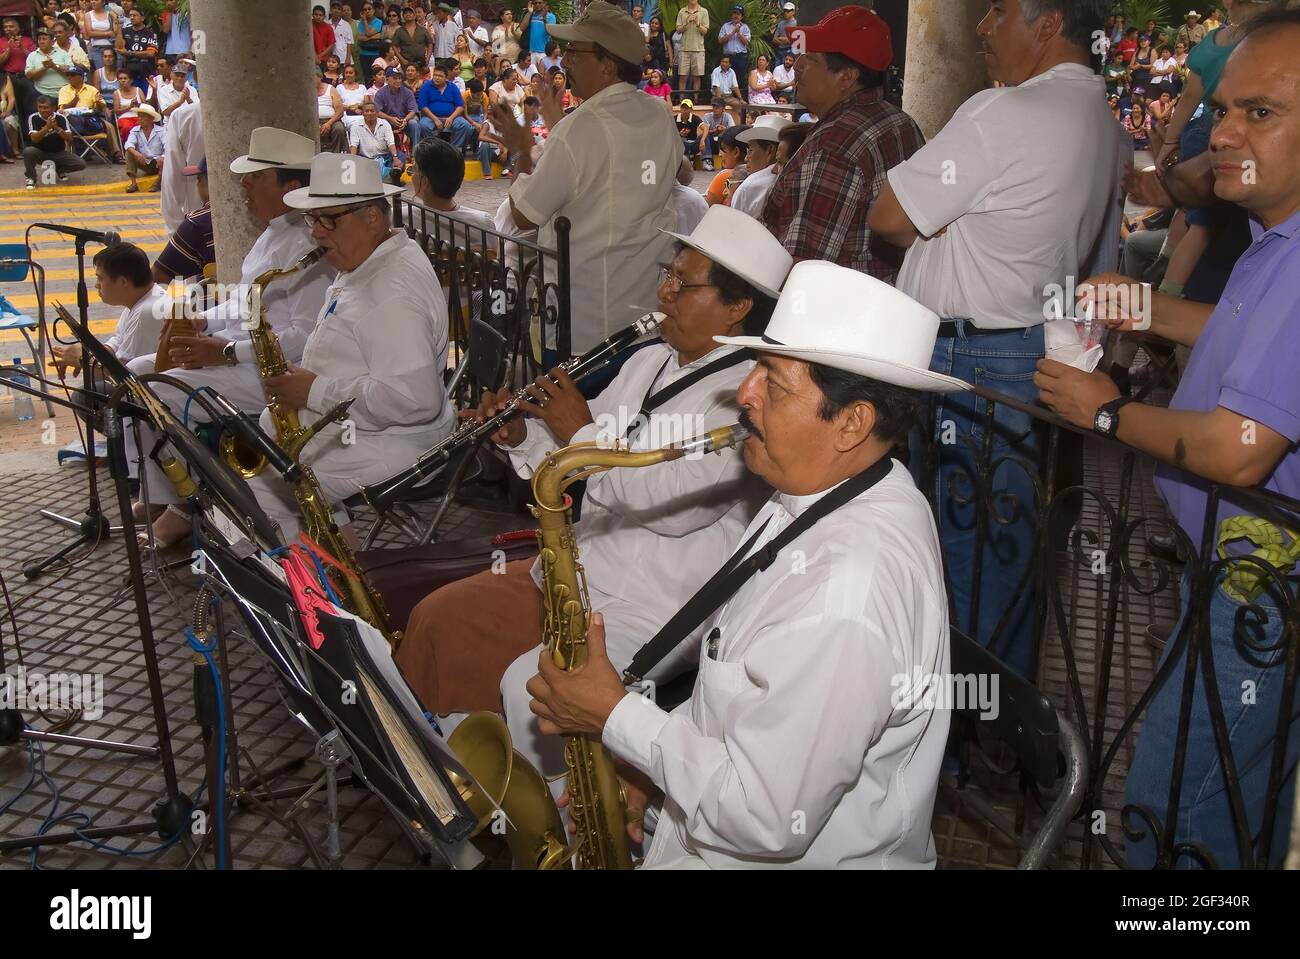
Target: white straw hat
<point x="271" y="148"/>
<point x="833" y="316"/>
<point x="742" y="245"/>
<point x="339" y="179"/>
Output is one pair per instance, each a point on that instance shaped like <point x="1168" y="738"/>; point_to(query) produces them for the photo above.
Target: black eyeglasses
<point x="328" y="220"/>
<point x="675" y="281"/>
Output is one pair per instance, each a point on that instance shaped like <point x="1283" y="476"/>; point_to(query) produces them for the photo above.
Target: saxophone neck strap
<point x="744" y="564"/>
<point x="654" y="401"/>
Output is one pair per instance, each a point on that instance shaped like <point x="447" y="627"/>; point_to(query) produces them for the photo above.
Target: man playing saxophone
<point x="646" y="536"/>
<point x="219" y="354"/>
<point x="380" y="341"/>
<point x="807" y="740"/>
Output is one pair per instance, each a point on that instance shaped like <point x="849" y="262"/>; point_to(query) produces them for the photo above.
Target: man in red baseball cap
<point x="818" y="205"/>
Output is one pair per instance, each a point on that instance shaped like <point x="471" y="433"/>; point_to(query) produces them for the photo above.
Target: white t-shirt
<point x="140" y="326"/>
<point x="782" y="75"/>
<point x="513" y="97"/>
<point x="1023" y="211"/>
<point x="1161" y="63"/>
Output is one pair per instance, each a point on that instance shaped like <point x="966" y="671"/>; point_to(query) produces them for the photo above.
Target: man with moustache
<point x="220" y="353"/>
<point x="798" y="746"/>
<point x="1240" y="382"/>
<point x="647" y="535"/>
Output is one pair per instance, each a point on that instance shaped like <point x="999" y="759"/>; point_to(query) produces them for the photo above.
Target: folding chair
<point x="88" y="145"/>
<point x="1047" y="749"/>
<point x="484" y="365"/>
<point x="14" y="267"/>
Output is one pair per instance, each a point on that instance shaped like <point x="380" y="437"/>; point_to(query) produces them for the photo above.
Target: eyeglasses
<point x="328" y="220"/>
<point x="675" y="281"/>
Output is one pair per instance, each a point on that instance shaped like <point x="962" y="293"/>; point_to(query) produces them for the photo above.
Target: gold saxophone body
<point x="318" y="516"/>
<point x="596" y="805"/>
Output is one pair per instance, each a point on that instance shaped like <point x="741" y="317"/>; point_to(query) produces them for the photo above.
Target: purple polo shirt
<point x="1246" y="361"/>
<point x="396" y="103"/>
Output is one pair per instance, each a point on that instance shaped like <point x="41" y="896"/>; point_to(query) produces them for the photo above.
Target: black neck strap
<point x="737" y="570"/>
<point x="651" y="403"/>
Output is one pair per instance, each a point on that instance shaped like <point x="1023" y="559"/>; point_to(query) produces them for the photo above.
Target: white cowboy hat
<point x="742" y="245"/>
<point x="833" y="316"/>
<point x="767" y="128"/>
<point x="339" y="179"/>
<point x="270" y="148"/>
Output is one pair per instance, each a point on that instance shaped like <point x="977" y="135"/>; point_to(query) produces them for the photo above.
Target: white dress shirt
<point x="140" y="325"/>
<point x="478" y="39"/>
<point x="381" y="341"/>
<point x="790" y="751"/>
<point x="291" y="303"/>
<point x="343" y="41"/>
<point x="752" y="193"/>
<point x="168" y="95"/>
<point x="609" y="167"/>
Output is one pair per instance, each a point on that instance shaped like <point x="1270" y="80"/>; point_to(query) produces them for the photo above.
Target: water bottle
<point x="23" y="408"/>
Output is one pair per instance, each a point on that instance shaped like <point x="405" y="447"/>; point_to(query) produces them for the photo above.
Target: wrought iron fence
<point x="1095" y="578"/>
<point x="512" y="283"/>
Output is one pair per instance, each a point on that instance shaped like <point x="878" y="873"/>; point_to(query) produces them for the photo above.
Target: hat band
<point x="767" y="339"/>
<point x="344" y="195"/>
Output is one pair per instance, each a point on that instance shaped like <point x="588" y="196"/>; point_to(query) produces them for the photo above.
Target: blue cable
<point x="185" y="414"/>
<point x="219" y="805"/>
<point x="31" y="781"/>
<point x="325" y="580"/>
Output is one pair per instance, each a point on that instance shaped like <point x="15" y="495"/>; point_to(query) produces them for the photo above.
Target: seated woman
<point x="351" y="93"/>
<point x="413" y="78"/>
<point x="761" y="82"/>
<point x="333" y="72"/>
<point x="1138" y="126"/>
<point x="658" y="87"/>
<point x="127" y="98"/>
<point x="464" y="59"/>
<point x="329" y="111"/>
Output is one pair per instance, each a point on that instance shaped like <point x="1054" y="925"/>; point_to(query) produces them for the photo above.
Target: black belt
<point x="950" y="328"/>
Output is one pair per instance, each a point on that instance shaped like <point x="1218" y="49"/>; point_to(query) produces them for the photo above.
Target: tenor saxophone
<point x="596" y="797"/>
<point x="318" y="515"/>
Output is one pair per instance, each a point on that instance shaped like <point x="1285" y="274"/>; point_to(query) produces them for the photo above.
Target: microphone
<point x="106" y="237"/>
<point x="239" y="423"/>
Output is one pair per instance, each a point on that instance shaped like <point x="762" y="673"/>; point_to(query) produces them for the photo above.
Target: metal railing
<point x="1095" y="580"/>
<point x="514" y="284"/>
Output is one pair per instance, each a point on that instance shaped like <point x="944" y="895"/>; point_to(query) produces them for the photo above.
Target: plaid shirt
<point x="818" y="205"/>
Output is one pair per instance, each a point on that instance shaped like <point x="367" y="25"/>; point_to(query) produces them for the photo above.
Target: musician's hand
<point x="638" y="790"/>
<point x="557" y="403"/>
<point x="289" y="389"/>
<point x="577" y="701"/>
<point x="195" y="352"/>
<point x="66" y="358"/>
<point x="513" y="432"/>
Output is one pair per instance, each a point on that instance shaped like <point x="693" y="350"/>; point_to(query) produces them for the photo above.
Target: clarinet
<point x="380" y="495"/>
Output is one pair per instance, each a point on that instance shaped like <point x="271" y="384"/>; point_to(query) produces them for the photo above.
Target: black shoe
<point x="1165" y="546"/>
<point x="1157" y="637"/>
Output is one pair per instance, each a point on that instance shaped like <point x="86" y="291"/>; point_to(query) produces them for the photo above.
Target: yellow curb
<point x="85" y="189"/>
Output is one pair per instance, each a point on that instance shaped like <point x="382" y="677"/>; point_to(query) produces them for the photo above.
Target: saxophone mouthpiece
<point x="714" y="440"/>
<point x="307" y="259"/>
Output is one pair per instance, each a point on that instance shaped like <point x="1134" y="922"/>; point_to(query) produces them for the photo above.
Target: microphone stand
<point x="93" y="527"/>
<point x="171" y="813"/>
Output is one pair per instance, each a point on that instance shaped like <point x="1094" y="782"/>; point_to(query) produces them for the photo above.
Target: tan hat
<point x="608" y="25"/>
<point x="271" y="148"/>
<point x="148" y="111"/>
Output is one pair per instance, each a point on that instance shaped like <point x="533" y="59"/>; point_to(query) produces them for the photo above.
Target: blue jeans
<point x="486" y="151"/>
<point x="461" y="130"/>
<point x="414" y="132"/>
<point x="1004" y="362"/>
<point x="1203" y="813"/>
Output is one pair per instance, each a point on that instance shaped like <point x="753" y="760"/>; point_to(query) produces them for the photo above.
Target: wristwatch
<point x="1106" y="422"/>
<point x="228" y="351"/>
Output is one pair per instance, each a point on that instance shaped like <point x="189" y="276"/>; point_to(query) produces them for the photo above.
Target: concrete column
<point x="944" y="64"/>
<point x="255" y="70"/>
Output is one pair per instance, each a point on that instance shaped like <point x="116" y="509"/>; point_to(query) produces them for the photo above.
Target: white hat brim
<point x="713" y="255"/>
<point x="887" y="371"/>
<point x="765" y="134"/>
<point x="301" y="199"/>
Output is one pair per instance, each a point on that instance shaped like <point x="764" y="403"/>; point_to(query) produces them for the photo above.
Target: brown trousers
<point x="461" y="638"/>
